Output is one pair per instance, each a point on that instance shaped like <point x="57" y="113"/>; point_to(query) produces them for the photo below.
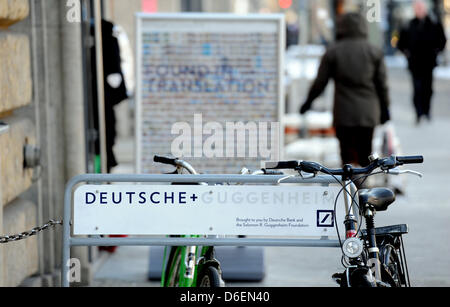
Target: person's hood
<point x="351" y="25"/>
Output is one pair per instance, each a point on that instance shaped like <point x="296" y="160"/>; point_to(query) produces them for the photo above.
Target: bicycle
<point x="182" y="269"/>
<point x="374" y="257"/>
<point x="188" y="273"/>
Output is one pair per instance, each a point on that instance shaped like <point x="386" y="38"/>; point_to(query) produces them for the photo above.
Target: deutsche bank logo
<point x="325" y="218"/>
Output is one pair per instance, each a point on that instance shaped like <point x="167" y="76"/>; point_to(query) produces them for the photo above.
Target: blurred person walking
<point x="421" y="42"/>
<point x="361" y="97"/>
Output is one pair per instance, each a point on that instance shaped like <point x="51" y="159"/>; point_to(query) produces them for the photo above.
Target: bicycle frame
<point x="185" y="269"/>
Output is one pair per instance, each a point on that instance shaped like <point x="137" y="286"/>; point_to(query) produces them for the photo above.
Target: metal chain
<point x="27" y="234"/>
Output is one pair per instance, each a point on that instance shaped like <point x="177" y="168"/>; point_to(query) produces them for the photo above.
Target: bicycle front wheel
<point x="392" y="273"/>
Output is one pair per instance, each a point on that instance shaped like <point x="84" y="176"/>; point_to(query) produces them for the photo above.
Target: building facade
<point x="41" y="134"/>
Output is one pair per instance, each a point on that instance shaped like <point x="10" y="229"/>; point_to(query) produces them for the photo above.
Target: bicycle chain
<point x="27" y="234"/>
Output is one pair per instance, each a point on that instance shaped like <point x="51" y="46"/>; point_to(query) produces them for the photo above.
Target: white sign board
<point x="199" y="76"/>
<point x="206" y="210"/>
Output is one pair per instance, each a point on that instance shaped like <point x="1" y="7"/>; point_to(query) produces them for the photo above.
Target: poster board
<point x="200" y="74"/>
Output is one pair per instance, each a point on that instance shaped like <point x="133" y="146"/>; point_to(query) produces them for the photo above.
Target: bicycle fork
<point x="351" y="229"/>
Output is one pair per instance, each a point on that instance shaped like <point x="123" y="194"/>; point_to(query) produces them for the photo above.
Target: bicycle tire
<point x="173" y="269"/>
<point x="358" y="279"/>
<point x="210" y="278"/>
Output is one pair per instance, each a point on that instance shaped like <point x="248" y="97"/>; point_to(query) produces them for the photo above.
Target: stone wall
<point x="21" y="257"/>
<point x="15" y="178"/>
<point x="12" y="11"/>
<point x="18" y="260"/>
<point x="15" y="73"/>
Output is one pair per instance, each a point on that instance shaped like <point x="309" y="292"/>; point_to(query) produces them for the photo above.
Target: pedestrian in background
<point x="361" y="97"/>
<point x="421" y="42"/>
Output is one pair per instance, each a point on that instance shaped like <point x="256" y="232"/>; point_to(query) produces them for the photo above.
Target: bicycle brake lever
<point x="302" y="174"/>
<point x="399" y="172"/>
<point x="285" y="178"/>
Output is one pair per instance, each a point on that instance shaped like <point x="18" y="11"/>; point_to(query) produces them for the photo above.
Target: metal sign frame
<point x="70" y="241"/>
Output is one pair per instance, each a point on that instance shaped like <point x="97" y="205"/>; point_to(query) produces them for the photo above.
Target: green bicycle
<point x="189" y="266"/>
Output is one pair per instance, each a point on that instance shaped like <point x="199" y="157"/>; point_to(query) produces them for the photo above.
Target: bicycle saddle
<point x="378" y="198"/>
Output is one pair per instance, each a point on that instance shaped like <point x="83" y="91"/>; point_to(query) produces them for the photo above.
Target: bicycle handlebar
<point x="175" y="162"/>
<point x="347" y="170"/>
<point x="180" y="163"/>
<point x="283" y="165"/>
<point x="410" y="160"/>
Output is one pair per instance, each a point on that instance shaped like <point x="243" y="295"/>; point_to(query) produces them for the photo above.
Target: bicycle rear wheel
<point x="392" y="273"/>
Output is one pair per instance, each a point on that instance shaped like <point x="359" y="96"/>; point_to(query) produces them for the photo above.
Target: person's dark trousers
<point x="356" y="144"/>
<point x="423" y="92"/>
